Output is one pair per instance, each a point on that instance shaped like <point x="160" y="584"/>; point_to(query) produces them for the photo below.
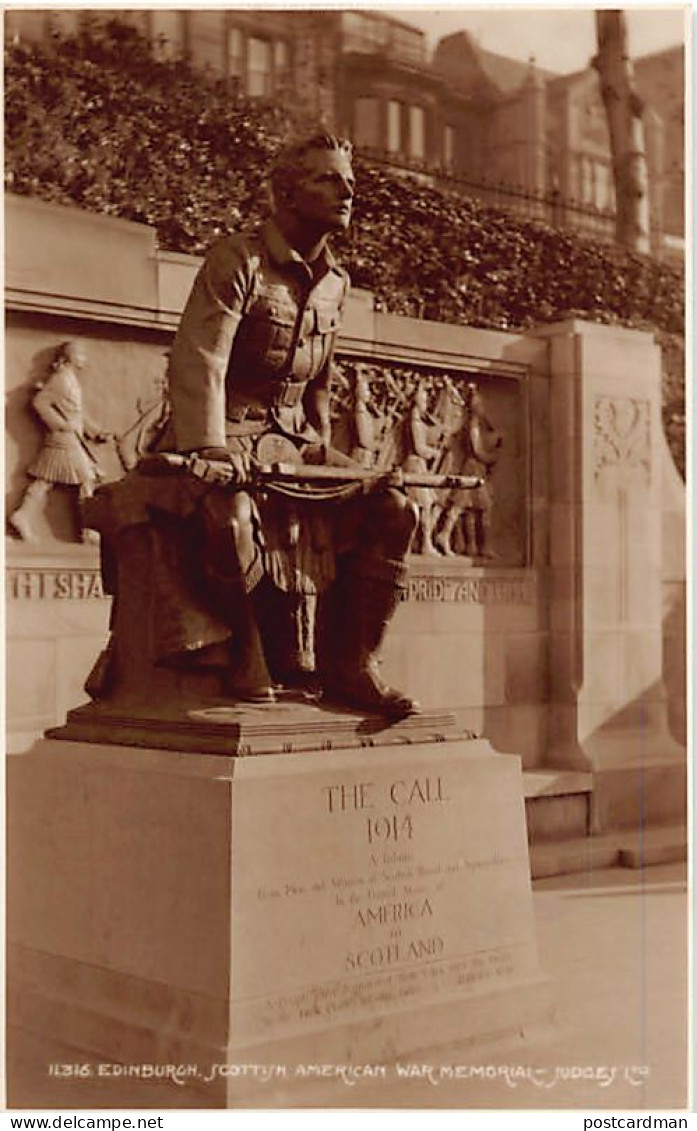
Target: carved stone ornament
<point x="622" y="435"/>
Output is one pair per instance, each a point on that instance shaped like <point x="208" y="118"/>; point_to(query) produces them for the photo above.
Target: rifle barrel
<point x="322" y="473"/>
<point x="221" y="472"/>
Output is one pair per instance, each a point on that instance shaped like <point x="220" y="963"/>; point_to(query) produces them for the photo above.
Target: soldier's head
<point x="313" y="182"/>
<point x="473" y="399"/>
<point x="421" y="397"/>
<point x="70" y="353"/>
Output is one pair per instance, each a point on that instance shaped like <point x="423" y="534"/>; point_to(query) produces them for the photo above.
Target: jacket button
<point x="301" y="343"/>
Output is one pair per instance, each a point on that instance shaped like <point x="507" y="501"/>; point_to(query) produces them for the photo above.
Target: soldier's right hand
<point x="217" y="465"/>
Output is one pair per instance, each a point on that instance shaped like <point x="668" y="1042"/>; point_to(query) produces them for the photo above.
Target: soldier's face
<point x="323" y="194"/>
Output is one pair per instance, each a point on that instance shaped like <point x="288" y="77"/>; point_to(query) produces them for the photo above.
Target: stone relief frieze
<point x="385" y="414"/>
<point x="622" y="435"/>
<point x="390" y="414"/>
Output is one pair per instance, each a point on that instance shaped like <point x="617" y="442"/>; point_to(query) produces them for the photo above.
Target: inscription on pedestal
<point x="379" y="890"/>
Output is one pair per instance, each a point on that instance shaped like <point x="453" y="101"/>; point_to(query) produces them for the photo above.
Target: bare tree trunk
<point x="624" y="110"/>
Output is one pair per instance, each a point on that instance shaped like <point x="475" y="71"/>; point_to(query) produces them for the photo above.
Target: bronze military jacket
<point x="255" y="332"/>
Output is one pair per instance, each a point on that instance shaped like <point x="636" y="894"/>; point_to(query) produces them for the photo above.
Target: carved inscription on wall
<point x="86" y="584"/>
<point x="471" y="590"/>
<point x="622" y="435"/>
<point x="54" y="584"/>
<point x="415" y="889"/>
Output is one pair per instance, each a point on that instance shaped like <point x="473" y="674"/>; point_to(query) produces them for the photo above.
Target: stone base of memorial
<point x="296" y="912"/>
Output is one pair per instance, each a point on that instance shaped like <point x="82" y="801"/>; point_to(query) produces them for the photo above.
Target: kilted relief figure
<point x="65" y="458"/>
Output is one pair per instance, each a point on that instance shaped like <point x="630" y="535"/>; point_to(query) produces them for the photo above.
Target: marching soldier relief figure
<point x="364" y="441"/>
<point x="64" y="458"/>
<point x="475" y="449"/>
<point x="419" y="454"/>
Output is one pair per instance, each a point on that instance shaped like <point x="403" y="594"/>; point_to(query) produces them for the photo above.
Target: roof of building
<point x="667" y="53"/>
<point x="508" y="75"/>
<point x="505" y="74"/>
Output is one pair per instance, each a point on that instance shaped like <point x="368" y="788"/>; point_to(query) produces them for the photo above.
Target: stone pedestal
<point x="607" y="707"/>
<point x="340" y="907"/>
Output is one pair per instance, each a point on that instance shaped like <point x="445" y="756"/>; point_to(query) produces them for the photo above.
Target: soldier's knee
<point x="396" y="521"/>
<point x="401" y="511"/>
<point x="240" y="511"/>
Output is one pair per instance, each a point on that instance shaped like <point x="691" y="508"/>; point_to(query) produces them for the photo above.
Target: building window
<point x="366" y="122"/>
<point x="281" y="65"/>
<point x="417" y="133"/>
<point x="394" y="126"/>
<point x="235" y="53"/>
<point x="408" y="44"/>
<point x="65" y="22"/>
<point x="373" y="33"/>
<point x="601" y="185"/>
<point x="167" y="34"/>
<point x="448" y="147"/>
<point x="281" y="57"/>
<point x="259" y="68"/>
<point x="364" y="32"/>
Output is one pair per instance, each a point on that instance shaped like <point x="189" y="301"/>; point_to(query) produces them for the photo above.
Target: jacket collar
<point x="282" y="253"/>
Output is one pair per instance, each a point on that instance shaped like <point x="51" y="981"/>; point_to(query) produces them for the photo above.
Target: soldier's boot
<point x="470" y="530"/>
<point x="444" y="538"/>
<point x="287" y="625"/>
<point x="233" y="569"/>
<point x="248" y="676"/>
<point x="21" y="521"/>
<point x="427" y="523"/>
<point x="365" y="597"/>
<point x="483" y="530"/>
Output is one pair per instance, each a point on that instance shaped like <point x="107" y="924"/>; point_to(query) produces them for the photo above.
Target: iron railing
<point x="548" y="207"/>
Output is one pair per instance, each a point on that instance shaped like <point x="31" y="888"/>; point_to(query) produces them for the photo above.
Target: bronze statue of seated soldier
<point x="215" y="559"/>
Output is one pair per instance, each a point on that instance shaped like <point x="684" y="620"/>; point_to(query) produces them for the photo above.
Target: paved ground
<point x="614" y="944"/>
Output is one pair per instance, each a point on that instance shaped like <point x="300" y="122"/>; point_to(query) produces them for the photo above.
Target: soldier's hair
<point x="291" y="161"/>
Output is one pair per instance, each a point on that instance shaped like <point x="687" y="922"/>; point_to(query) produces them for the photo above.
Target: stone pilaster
<point x="607" y="707"/>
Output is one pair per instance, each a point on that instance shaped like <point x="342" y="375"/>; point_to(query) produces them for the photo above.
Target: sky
<point x="560" y="39"/>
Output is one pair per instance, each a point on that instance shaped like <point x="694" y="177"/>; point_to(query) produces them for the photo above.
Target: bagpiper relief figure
<point x="65" y="458"/>
<point x="476" y="449"/>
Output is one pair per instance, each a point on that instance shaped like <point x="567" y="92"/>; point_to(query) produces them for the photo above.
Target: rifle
<point x="284" y="475"/>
